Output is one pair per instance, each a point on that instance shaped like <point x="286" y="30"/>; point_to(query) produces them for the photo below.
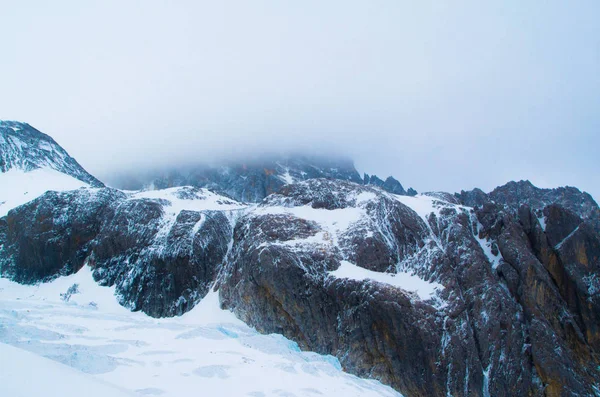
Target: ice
<point x="424" y="289"/>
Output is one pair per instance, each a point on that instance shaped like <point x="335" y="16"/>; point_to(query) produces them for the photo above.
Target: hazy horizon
<point x="443" y="97"/>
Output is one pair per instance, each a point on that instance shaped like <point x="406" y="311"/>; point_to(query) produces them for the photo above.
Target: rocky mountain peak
<point x="24" y="148"/>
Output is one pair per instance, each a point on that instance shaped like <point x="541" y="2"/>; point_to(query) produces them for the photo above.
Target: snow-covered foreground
<point x="203" y="353"/>
<point x="48" y="375"/>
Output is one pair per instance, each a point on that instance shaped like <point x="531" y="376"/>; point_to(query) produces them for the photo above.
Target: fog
<point x="441" y="95"/>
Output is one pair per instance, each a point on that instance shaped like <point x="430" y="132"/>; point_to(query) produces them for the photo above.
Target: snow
<point x="45" y="146"/>
<point x="18" y="187"/>
<point x="199" y="199"/>
<point x="486" y="246"/>
<point x="542" y="220"/>
<point x="195" y="200"/>
<point x="557" y="246"/>
<point x="19" y="144"/>
<point x="46" y="375"/>
<point x="425" y="205"/>
<point x="339" y="219"/>
<point x="422" y="205"/>
<point x="333" y="223"/>
<point x="424" y="289"/>
<point x="114" y="352"/>
<point x="365" y="197"/>
<point x="287" y="178"/>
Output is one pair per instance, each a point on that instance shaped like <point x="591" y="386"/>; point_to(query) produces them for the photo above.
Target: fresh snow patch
<point x="207" y="350"/>
<point x="364" y="197"/>
<point x="339" y="219"/>
<point x="187" y="198"/>
<point x="18" y="187"/>
<point x="424" y="289"/>
<point x="425" y="205"/>
<point x="287" y="178"/>
<point x="486" y="246"/>
<point x="45" y="146"/>
<point x="203" y="200"/>
<point x="559" y="245"/>
<point x="333" y="222"/>
<point x="542" y="220"/>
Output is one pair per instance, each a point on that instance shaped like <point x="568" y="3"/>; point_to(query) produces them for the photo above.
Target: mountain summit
<point x="24" y="148"/>
<point x="32" y="163"/>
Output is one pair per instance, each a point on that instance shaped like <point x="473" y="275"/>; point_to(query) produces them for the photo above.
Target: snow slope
<point x="62" y="380"/>
<point x="424" y="289"/>
<point x="18" y="187"/>
<point x="205" y="352"/>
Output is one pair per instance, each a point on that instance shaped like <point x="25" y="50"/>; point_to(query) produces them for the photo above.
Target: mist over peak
<point x="253" y="177"/>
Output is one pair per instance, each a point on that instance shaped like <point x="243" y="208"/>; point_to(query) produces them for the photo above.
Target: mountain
<point x="24" y="148"/>
<point x="253" y="179"/>
<point x="436" y="294"/>
<point x="516" y="194"/>
<point x="32" y="163"/>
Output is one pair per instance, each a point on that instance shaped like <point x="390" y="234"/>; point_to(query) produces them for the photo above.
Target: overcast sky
<point x="442" y="95"/>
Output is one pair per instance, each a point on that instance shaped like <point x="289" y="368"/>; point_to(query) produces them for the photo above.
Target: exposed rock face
<point x="282" y="284"/>
<point x="469" y="294"/>
<point x="25" y="148"/>
<point x="161" y="261"/>
<point x="53" y="234"/>
<point x="389" y="185"/>
<point x="550" y="263"/>
<point x="515" y="194"/>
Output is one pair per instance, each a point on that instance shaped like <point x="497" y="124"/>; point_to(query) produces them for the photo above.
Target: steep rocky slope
<point x="22" y="147"/>
<point x="469" y="294"/>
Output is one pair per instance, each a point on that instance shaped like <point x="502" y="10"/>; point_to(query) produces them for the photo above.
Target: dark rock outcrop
<point x="391" y="185"/>
<point x="53" y="234"/>
<point x="160" y="263"/>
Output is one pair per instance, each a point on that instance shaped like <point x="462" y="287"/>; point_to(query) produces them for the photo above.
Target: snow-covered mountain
<point x="434" y="294"/>
<point x="32" y="163"/>
<point x="24" y="148"/>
